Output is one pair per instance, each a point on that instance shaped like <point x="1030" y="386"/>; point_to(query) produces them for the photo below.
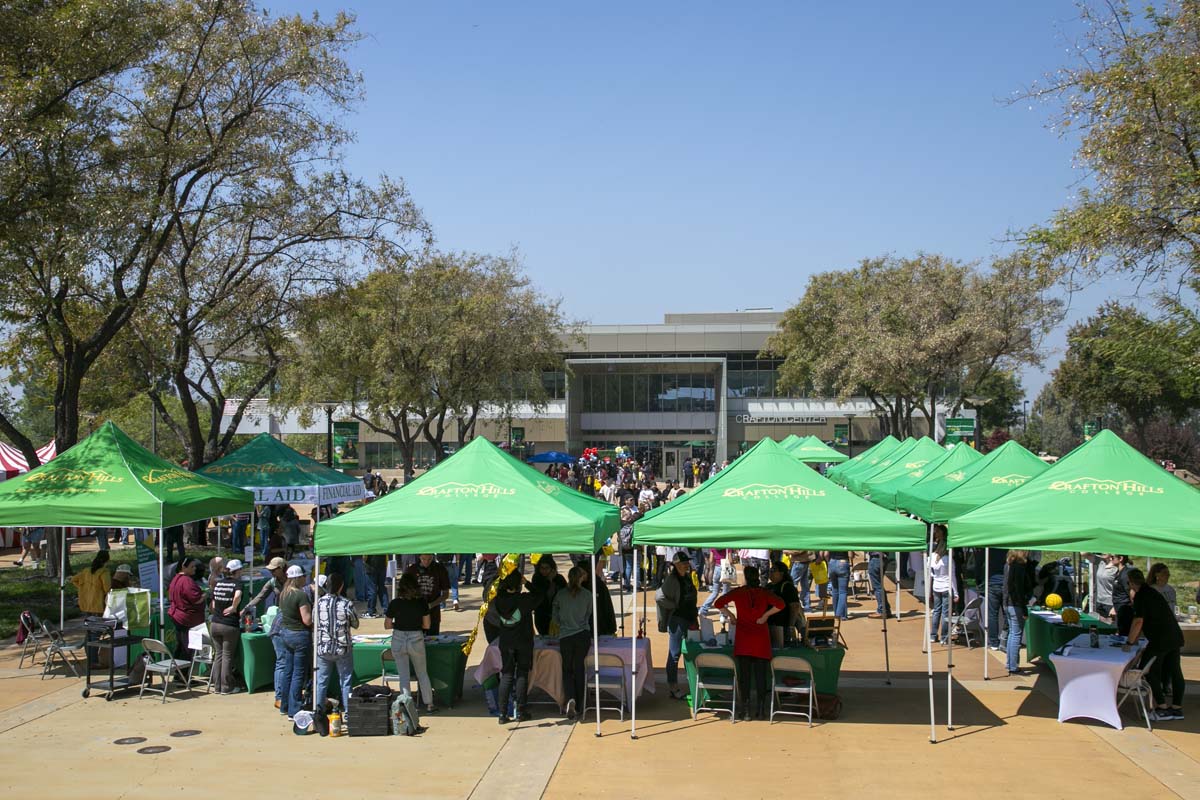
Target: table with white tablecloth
<point x="546" y="673"/>
<point x="1088" y="678"/>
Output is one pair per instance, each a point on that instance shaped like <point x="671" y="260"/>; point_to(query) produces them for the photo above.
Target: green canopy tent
<point x="911" y="454"/>
<point x="768" y="499"/>
<point x="789" y="441"/>
<point x="872" y="455"/>
<point x="939" y="498"/>
<point x="481" y="499"/>
<point x="1103" y="497"/>
<point x="954" y="460"/>
<point x="277" y="474"/>
<point x="812" y="450"/>
<point x="110" y="481"/>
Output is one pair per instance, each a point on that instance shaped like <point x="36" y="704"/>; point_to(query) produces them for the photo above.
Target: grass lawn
<point x="1185" y="575"/>
<point x="22" y="589"/>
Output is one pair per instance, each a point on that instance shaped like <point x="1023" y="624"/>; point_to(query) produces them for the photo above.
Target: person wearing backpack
<point x="408" y="618"/>
<point x="514" y="612"/>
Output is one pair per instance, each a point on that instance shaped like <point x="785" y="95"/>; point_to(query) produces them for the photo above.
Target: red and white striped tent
<point x="12" y="464"/>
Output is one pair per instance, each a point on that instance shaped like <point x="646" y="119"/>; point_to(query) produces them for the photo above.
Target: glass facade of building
<point x="644" y="389"/>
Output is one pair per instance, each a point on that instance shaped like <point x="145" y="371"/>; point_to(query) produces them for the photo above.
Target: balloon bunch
<point x="507" y="565"/>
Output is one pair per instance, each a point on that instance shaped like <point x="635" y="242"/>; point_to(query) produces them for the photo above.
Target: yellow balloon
<point x="1053" y="601"/>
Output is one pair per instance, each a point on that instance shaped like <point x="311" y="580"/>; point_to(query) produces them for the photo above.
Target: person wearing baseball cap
<point x="677" y="613"/>
<point x="296" y="618"/>
<point x="226" y="626"/>
<point x="268" y="596"/>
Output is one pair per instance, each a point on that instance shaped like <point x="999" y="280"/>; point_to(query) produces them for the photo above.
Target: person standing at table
<point x="1155" y="620"/>
<point x="408" y="616"/>
<point x="434" y="583"/>
<point x="606" y="615"/>
<point x="335" y="642"/>
<point x="1159" y="579"/>
<point x="186" y="600"/>
<point x="547" y="582"/>
<point x="751" y="639"/>
<point x="1017" y="588"/>
<point x="295" y="611"/>
<point x="1106" y="567"/>
<point x="226" y="626"/>
<point x="1122" y="599"/>
<point x="572" y="613"/>
<point x="514" y="615"/>
<point x="939" y="570"/>
<point x="93" y="584"/>
<point x="783" y="626"/>
<point x="676" y="602"/>
<point x="268" y="596"/>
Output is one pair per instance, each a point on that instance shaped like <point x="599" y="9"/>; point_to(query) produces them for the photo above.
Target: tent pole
<point x="898" y="572"/>
<point x="925" y="636"/>
<point x="987" y="586"/>
<point x="162" y="603"/>
<point x="887" y="658"/>
<point x="316" y="596"/>
<point x="620" y="592"/>
<point x="950" y="648"/>
<point x="596" y="640"/>
<point x="1092" y="564"/>
<point x="62" y="585"/>
<point x="633" y="686"/>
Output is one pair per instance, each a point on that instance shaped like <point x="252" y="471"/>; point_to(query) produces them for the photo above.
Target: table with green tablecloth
<point x="1045" y="632"/>
<point x="445" y="661"/>
<point x="826" y="662"/>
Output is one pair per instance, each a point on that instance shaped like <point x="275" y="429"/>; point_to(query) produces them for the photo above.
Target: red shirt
<point x="751" y="638"/>
<point x="187" y="601"/>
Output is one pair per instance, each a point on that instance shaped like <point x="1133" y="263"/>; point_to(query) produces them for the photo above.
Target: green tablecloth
<point x="445" y="660"/>
<point x="1043" y="637"/>
<point x="826" y="663"/>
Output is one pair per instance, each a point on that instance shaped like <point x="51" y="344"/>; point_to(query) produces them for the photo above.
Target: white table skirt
<point x="1088" y="679"/>
<point x="548" y="677"/>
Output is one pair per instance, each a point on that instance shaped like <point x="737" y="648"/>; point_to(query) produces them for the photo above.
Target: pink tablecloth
<point x="547" y="664"/>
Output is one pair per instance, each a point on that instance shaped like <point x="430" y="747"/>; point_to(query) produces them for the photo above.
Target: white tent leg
<point x="621" y="594"/>
<point x="316" y="596"/>
<point x="596" y="640"/>
<point x="987" y="590"/>
<point x="634" y="662"/>
<point x="62" y="581"/>
<point x="950" y="649"/>
<point x="898" y="572"/>
<point x="162" y="602"/>
<point x="928" y="649"/>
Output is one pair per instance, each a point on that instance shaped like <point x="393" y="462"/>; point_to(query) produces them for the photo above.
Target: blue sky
<point x="669" y="156"/>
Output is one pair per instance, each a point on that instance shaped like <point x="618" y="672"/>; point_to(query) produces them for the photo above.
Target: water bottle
<point x="1094" y="635"/>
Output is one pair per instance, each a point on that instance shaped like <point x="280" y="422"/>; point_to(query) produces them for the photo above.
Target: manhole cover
<point x="153" y="750"/>
<point x="182" y="734"/>
<point x="131" y="740"/>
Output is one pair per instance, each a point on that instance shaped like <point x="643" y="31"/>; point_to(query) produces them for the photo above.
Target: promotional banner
<point x="345" y="445"/>
<point x="147" y="558"/>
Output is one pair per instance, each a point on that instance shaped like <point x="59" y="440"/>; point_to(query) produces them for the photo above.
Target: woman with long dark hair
<point x="1017" y="588"/>
<point x="573" y="614"/>
<point x="295" y="610"/>
<point x="187" y="603"/>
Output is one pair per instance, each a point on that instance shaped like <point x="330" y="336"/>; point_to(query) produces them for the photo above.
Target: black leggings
<point x="1166" y="669"/>
<point x="574" y="649"/>
<point x="757" y="668"/>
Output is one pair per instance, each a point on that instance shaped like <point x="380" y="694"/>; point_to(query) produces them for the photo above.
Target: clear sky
<point x="669" y="156"/>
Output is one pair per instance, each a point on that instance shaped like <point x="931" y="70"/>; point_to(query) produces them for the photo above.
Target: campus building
<point x="691" y="386"/>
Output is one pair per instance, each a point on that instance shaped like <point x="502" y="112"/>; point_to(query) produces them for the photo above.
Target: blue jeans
<point x="839" y="584"/>
<point x="720" y="587"/>
<point x="297" y="650"/>
<point x="452" y="570"/>
<point x="995" y="602"/>
<point x="1014" y="638"/>
<point x="941" y="616"/>
<point x="676" y="631"/>
<point x="627" y="568"/>
<point x="238" y="540"/>
<point x="280" y="664"/>
<point x="376" y="591"/>
<point x="466" y="562"/>
<point x="265" y="533"/>
<point x="102" y="538"/>
<point x="344" y="664"/>
<point x="361" y="592"/>
<point x="875" y="573"/>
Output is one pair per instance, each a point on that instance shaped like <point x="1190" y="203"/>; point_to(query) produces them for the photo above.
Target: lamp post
<point x="850" y="434"/>
<point x="328" y="406"/>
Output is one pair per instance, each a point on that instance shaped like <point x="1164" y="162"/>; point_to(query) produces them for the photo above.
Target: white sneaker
<point x="571" y="709"/>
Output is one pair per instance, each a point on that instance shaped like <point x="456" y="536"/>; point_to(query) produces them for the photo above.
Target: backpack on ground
<point x="828" y="706"/>
<point x="406" y="719"/>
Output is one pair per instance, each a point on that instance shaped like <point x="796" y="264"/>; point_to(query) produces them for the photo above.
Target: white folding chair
<point x="35" y="638"/>
<point x="792" y="675"/>
<point x="611" y="681"/>
<point x="205" y="655"/>
<point x="57" y="645"/>
<point x="860" y="579"/>
<point x="960" y="624"/>
<point x="1133" y="682"/>
<point x="161" y="662"/>
<point x="715" y="672"/>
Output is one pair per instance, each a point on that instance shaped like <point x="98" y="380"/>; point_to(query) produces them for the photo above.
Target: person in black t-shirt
<point x="547" y="582"/>
<point x="1122" y="604"/>
<point x="514" y="615"/>
<point x="434" y="583"/>
<point x="408" y="616"/>
<point x="1154" y="619"/>
<point x="783" y="626"/>
<point x="226" y="626"/>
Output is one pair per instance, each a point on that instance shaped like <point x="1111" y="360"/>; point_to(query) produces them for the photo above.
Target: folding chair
<point x="205" y="655"/>
<point x="161" y="662"/>
<point x="860" y="580"/>
<point x="825" y="626"/>
<point x="611" y="681"/>
<point x="791" y="675"/>
<point x="1133" y="682"/>
<point x="715" y="672"/>
<point x="57" y="645"/>
<point x="960" y="624"/>
<point x="35" y="638"/>
<point x="390" y="674"/>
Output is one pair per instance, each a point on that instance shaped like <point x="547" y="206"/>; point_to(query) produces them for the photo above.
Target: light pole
<point x="328" y="406"/>
<point x="850" y="434"/>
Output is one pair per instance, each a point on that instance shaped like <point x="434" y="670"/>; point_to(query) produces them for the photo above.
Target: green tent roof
<point x="479" y="500"/>
<point x="872" y="455"/>
<point x="922" y="454"/>
<point x="955" y="493"/>
<point x="790" y="441"/>
<point x="768" y="499"/>
<point x="110" y="481"/>
<point x="954" y="460"/>
<point x="1106" y="497"/>
<point x="855" y="480"/>
<point x="812" y="450"/>
<point x="278" y="474"/>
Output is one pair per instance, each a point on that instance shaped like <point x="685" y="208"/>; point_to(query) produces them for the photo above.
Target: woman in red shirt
<point x="187" y="604"/>
<point x="752" y="638"/>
